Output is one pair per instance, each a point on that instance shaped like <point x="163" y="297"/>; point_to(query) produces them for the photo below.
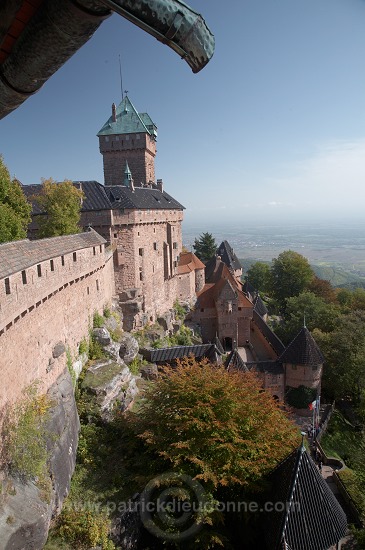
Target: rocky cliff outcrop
<point x="26" y="509"/>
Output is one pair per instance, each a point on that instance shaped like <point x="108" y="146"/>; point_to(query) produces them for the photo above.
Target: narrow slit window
<point x="39" y="270"/>
<point x="7" y="285"/>
<point x="62" y="260"/>
<point x="24" y="277"/>
<point x="51" y="263"/>
<point x="74" y="257"/>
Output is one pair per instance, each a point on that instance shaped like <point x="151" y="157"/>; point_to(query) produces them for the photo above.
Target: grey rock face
<point x="149" y="372"/>
<point x="111" y="323"/>
<point x="128" y="348"/>
<point x="113" y="351"/>
<point x="166" y="320"/>
<point x="25" y="511"/>
<point x="58" y="350"/>
<point x="113" y="384"/>
<point x="102" y="336"/>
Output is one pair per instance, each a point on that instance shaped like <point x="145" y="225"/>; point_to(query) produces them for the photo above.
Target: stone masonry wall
<point x="139" y="150"/>
<point x="147" y="248"/>
<point x="56" y="307"/>
<point x="298" y="375"/>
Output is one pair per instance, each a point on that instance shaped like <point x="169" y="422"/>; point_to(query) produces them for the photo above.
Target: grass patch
<point x="101" y="376"/>
<point x="341" y="440"/>
<point x="354" y="486"/>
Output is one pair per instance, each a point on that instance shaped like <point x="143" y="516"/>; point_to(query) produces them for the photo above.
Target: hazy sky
<point x="272" y="128"/>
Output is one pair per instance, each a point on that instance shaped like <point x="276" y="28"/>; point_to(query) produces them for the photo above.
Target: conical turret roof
<point x="311" y="517"/>
<point x="303" y="350"/>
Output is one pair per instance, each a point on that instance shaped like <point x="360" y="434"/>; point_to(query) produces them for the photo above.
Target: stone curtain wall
<point x="51" y="309"/>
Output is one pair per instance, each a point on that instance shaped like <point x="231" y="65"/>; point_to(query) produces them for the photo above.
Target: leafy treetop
<point x="205" y="247"/>
<point x="290" y="274"/>
<point x="218" y="427"/>
<point x="62" y="202"/>
<point x="14" y="208"/>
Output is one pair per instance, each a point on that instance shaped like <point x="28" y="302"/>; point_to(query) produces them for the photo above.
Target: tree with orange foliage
<point x="220" y="428"/>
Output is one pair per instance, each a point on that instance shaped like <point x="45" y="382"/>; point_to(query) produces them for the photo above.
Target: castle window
<point x="97" y="285"/>
<point x="154" y="229"/>
<point x="116" y="138"/>
<point x="153" y="269"/>
<point x="141" y="276"/>
<point x="138" y="136"/>
<point x="24" y="277"/>
<point x="174" y="245"/>
<point x="239" y="309"/>
<point x="39" y="270"/>
<point x="94" y="250"/>
<point x="101" y="248"/>
<point x="106" y="138"/>
<point x="7" y="285"/>
<point x="127" y="138"/>
<point x="51" y="263"/>
<point x="62" y="260"/>
<point x="88" y="290"/>
<point x="115" y="235"/>
<point x="74" y="257"/>
<point x="140" y="251"/>
<point x="154" y="246"/>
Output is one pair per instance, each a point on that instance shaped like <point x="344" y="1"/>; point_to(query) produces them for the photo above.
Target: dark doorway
<point x="227" y="343"/>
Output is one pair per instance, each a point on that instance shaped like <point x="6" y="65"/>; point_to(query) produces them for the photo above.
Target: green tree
<point x="205" y="247"/>
<point x="323" y="289"/>
<point x="309" y="308"/>
<point x="259" y="276"/>
<point x="218" y="427"/>
<point x="62" y="203"/>
<point x="290" y="274"/>
<point x="14" y="208"/>
<point x="344" y="352"/>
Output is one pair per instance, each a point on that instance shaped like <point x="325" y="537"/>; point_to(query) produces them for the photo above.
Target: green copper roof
<point x="128" y="121"/>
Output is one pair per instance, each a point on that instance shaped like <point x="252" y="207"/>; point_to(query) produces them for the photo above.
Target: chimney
<point x="160" y="185"/>
<point x="114" y="113"/>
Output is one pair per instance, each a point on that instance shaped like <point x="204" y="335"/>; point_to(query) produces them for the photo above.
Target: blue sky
<point x="271" y="129"/>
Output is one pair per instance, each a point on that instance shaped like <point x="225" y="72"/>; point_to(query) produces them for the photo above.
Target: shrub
<point x="85" y="529"/>
<point x="95" y="349"/>
<point x="300" y="397"/>
<point x="98" y="320"/>
<point x="136" y="364"/>
<point x="25" y="436"/>
<point x="83" y="347"/>
<point x="107" y="313"/>
<point x="180" y="312"/>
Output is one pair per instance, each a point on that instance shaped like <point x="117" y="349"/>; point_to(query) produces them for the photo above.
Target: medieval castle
<point x="131" y="248"/>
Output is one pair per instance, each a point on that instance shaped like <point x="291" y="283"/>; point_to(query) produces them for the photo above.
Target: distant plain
<point x="336" y="250"/>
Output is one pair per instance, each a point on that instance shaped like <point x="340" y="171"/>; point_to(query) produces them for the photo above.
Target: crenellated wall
<point x="47" y="306"/>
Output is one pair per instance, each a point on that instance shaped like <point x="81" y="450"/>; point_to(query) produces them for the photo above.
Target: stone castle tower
<point x="128" y="137"/>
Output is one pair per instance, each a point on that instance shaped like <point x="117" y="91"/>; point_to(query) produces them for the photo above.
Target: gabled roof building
<point x="234" y="314"/>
